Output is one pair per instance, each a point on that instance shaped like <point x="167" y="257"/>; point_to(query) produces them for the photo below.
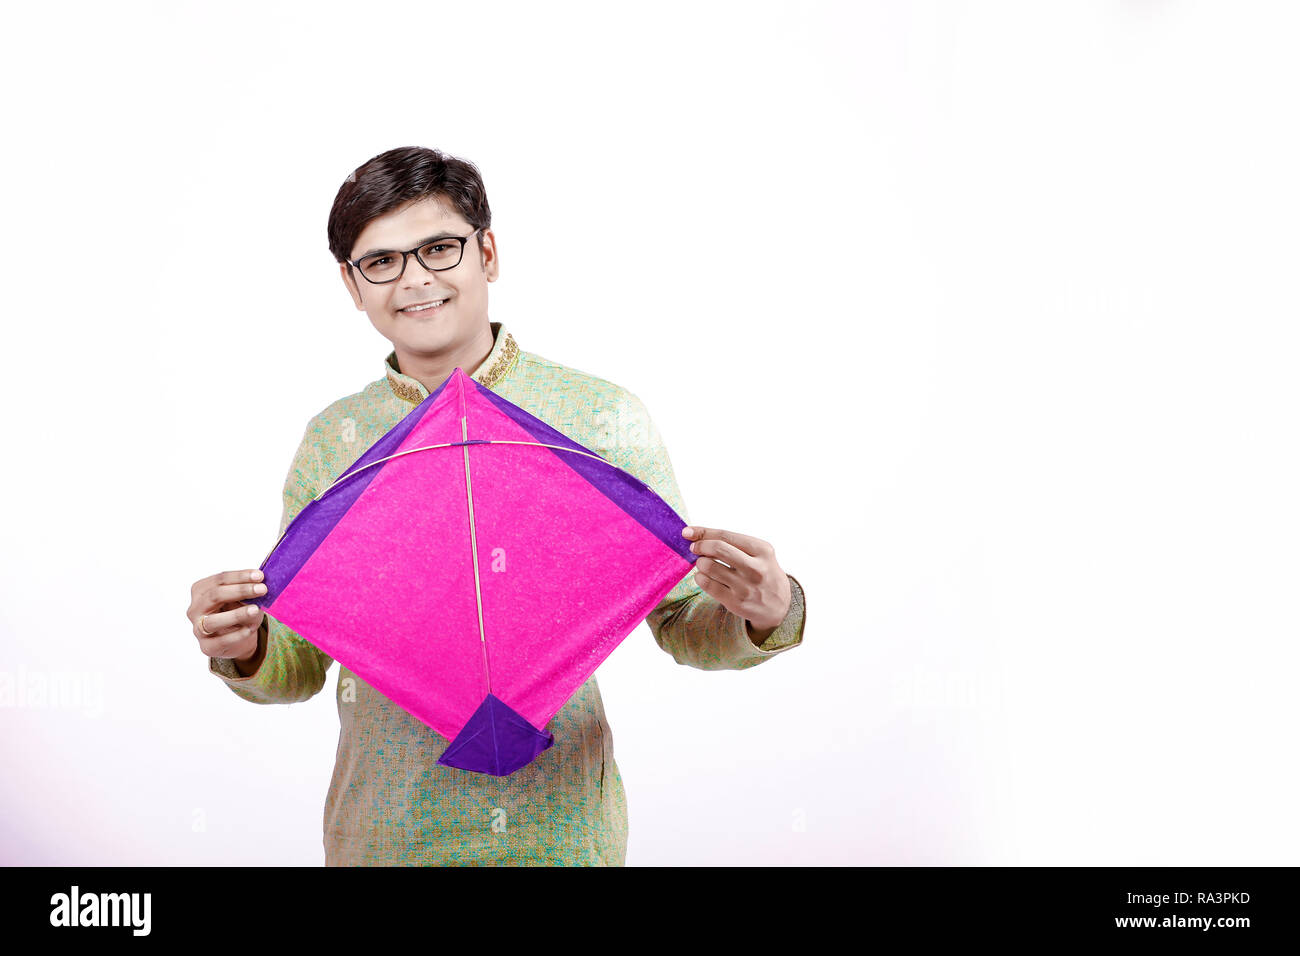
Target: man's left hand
<point x="742" y="573"/>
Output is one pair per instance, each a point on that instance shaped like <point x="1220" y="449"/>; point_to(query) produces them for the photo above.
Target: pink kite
<point x="476" y="566"/>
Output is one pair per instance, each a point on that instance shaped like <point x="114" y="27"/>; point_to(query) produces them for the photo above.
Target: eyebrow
<point x="441" y="235"/>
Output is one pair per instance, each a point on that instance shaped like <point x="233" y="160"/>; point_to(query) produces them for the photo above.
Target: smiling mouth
<point x="425" y="308"/>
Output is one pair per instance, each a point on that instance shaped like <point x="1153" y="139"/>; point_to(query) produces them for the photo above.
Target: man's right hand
<point x="222" y="625"/>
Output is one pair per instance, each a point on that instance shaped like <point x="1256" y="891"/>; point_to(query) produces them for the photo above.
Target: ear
<point x="488" y="254"/>
<point x="351" y="282"/>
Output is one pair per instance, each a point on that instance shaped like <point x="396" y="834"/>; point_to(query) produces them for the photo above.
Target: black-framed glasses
<point x="436" y="255"/>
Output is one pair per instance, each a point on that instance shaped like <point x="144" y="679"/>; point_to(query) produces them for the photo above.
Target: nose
<point x="415" y="273"/>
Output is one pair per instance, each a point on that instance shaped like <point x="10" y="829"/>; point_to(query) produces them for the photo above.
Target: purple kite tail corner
<point x="496" y="740"/>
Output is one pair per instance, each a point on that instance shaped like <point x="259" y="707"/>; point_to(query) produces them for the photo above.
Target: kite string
<point x="451" y="444"/>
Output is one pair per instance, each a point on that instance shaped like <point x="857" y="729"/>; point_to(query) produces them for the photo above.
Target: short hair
<point x="400" y="176"/>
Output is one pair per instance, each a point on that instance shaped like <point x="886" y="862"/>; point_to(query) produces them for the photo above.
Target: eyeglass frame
<point x="356" y="263"/>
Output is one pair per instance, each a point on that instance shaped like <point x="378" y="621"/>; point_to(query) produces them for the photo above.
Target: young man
<point x="410" y="231"/>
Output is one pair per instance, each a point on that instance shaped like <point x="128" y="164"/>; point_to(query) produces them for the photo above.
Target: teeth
<point x="431" y="305"/>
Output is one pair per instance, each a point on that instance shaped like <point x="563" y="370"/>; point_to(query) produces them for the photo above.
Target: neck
<point x="432" y="370"/>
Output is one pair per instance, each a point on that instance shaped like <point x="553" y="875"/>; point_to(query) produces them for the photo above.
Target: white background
<point x="983" y="314"/>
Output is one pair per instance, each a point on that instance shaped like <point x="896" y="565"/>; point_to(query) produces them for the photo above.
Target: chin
<point x="429" y="340"/>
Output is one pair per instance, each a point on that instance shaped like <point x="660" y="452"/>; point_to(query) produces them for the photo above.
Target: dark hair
<point x="397" y="177"/>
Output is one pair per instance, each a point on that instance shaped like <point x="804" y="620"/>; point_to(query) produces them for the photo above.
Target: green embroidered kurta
<point x="389" y="801"/>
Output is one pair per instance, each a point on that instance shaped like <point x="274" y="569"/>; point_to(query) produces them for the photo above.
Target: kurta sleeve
<point x="292" y="669"/>
<point x="691" y="625"/>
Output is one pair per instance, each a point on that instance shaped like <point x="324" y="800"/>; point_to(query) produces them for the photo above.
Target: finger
<point x="718" y="591"/>
<point x="226" y="579"/>
<point x="710" y="584"/>
<point x="746" y="565"/>
<point x="231" y="644"/>
<point x="724" y="575"/>
<point x="217" y="624"/>
<point x="747" y="543"/>
<point x="229" y="593"/>
<point x="239" y="577"/>
<point x="203" y="586"/>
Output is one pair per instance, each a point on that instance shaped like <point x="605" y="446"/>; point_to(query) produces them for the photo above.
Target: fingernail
<point x="255" y="576"/>
<point x="259" y="589"/>
<point x="688" y="531"/>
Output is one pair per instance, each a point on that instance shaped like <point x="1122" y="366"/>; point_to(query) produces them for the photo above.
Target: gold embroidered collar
<point x="495" y="367"/>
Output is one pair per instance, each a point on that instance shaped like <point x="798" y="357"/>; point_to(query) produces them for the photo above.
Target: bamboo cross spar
<point x="445" y="580"/>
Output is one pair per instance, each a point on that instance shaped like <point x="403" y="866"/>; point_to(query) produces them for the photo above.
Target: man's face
<point x="433" y="332"/>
